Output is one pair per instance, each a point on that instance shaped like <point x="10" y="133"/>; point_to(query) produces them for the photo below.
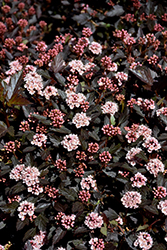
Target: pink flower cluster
<point x="151" y="144"/>
<point x="105" y="157"/>
<point x="61" y="165"/>
<point x="154" y="166"/>
<point x="88" y="182"/>
<point x="145" y="104"/>
<point x="110" y="130"/>
<point x="93" y="147"/>
<point x="38" y="241"/>
<point x="70" y="142"/>
<point x="136" y="131"/>
<point x="11" y="146"/>
<point x="131" y="156"/>
<point x="75" y="100"/>
<point x="96" y="244"/>
<point x="51" y="191"/>
<point x="160" y="192"/>
<point x="144" y="241"/>
<point x="162" y="111"/>
<point x="33" y="83"/>
<point x="81" y="120"/>
<point x="67" y="221"/>
<point x="29" y="176"/>
<point x="82" y="43"/>
<point x="163" y="206"/>
<point x="57" y="117"/>
<point x="131" y="199"/>
<point x="15" y="66"/>
<point x="26" y="208"/>
<point x="95" y="48"/>
<point x="108" y="64"/>
<point x="84" y="195"/>
<point x="93" y="220"/>
<point x="109" y="108"/>
<point x="49" y="91"/>
<point x="77" y="65"/>
<point x="153" y="59"/>
<point x="138" y="180"/>
<point x="87" y="32"/>
<point x="39" y="140"/>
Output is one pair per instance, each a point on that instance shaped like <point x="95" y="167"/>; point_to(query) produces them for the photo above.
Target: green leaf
<point x="41" y="222"/>
<point x="140" y="228"/>
<point x="29" y="234"/>
<point x="103" y="230"/>
<point x="112" y="120"/>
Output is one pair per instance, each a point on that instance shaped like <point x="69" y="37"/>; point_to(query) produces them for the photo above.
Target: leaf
<point x="29" y="149"/>
<point x="19" y="187"/>
<point x="60" y="79"/>
<point x="9" y="208"/>
<point x="112" y="120"/>
<point x="15" y="82"/>
<point x="130" y="240"/>
<point x="152" y="209"/>
<point x="138" y="110"/>
<point x="110" y="173"/>
<point x="69" y="194"/>
<point x="124" y="116"/>
<point x="160" y="246"/>
<point x="11" y="131"/>
<point x="62" y="130"/>
<point x="29" y="234"/>
<point x="81" y="18"/>
<point x="62" y="94"/>
<point x="60" y="233"/>
<point x="3" y="128"/>
<point x="111" y="214"/>
<point x="77" y="207"/>
<point x="81" y="230"/>
<point x="103" y="230"/>
<point x="2" y="225"/>
<point x="142" y="156"/>
<point x="116" y="11"/>
<point x="94" y="135"/>
<point x="162" y="137"/>
<point x="21" y="224"/>
<point x="114" y="148"/>
<point x="58" y="64"/>
<point x="59" y="207"/>
<point x="160" y="179"/>
<point x="18" y="100"/>
<point x="41" y="222"/>
<point x="44" y="73"/>
<point x="41" y="207"/>
<point x="140" y="228"/>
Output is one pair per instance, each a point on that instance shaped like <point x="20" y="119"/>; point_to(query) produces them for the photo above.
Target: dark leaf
<point x="44" y="73"/>
<point x="18" y="100"/>
<point x="160" y="179"/>
<point x="110" y="246"/>
<point x="138" y="110"/>
<point x="11" y="130"/>
<point x="119" y="55"/>
<point x="29" y="149"/>
<point x="3" y="129"/>
<point x="59" y="207"/>
<point x="124" y="116"/>
<point x="94" y="135"/>
<point x="81" y="230"/>
<point x="62" y="130"/>
<point x="41" y="222"/>
<point x="152" y="209"/>
<point x="62" y="94"/>
<point x="21" y="224"/>
<point x="15" y="82"/>
<point x="114" y="148"/>
<point x="130" y="240"/>
<point x="162" y="137"/>
<point x="59" y="235"/>
<point x="60" y="79"/>
<point x="54" y="140"/>
<point x="29" y="234"/>
<point x="111" y="214"/>
<point x="116" y="11"/>
<point x="142" y="156"/>
<point x="77" y="207"/>
<point x="19" y="187"/>
<point x="112" y="236"/>
<point x="9" y="55"/>
<point x="69" y="194"/>
<point x="81" y="18"/>
<point x="41" y="207"/>
<point x="39" y="12"/>
<point x="160" y="246"/>
<point x="9" y="208"/>
<point x="109" y="173"/>
<point x="58" y="64"/>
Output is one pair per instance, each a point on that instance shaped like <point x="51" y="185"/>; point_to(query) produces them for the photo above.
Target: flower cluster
<point x="81" y="120"/>
<point x="34" y="83"/>
<point x="154" y="166"/>
<point x="151" y="144"/>
<point x="163" y="206"/>
<point x="67" y="221"/>
<point x="93" y="220"/>
<point x="38" y="241"/>
<point x="105" y="157"/>
<point x="96" y="244"/>
<point x="109" y="108"/>
<point x="131" y="199"/>
<point x="39" y="140"/>
<point x="88" y="182"/>
<point x="110" y="130"/>
<point x="57" y="117"/>
<point x="26" y="209"/>
<point x="29" y="176"/>
<point x="160" y="192"/>
<point x="138" y="180"/>
<point x="144" y="241"/>
<point x="71" y="142"/>
<point x="131" y="156"/>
